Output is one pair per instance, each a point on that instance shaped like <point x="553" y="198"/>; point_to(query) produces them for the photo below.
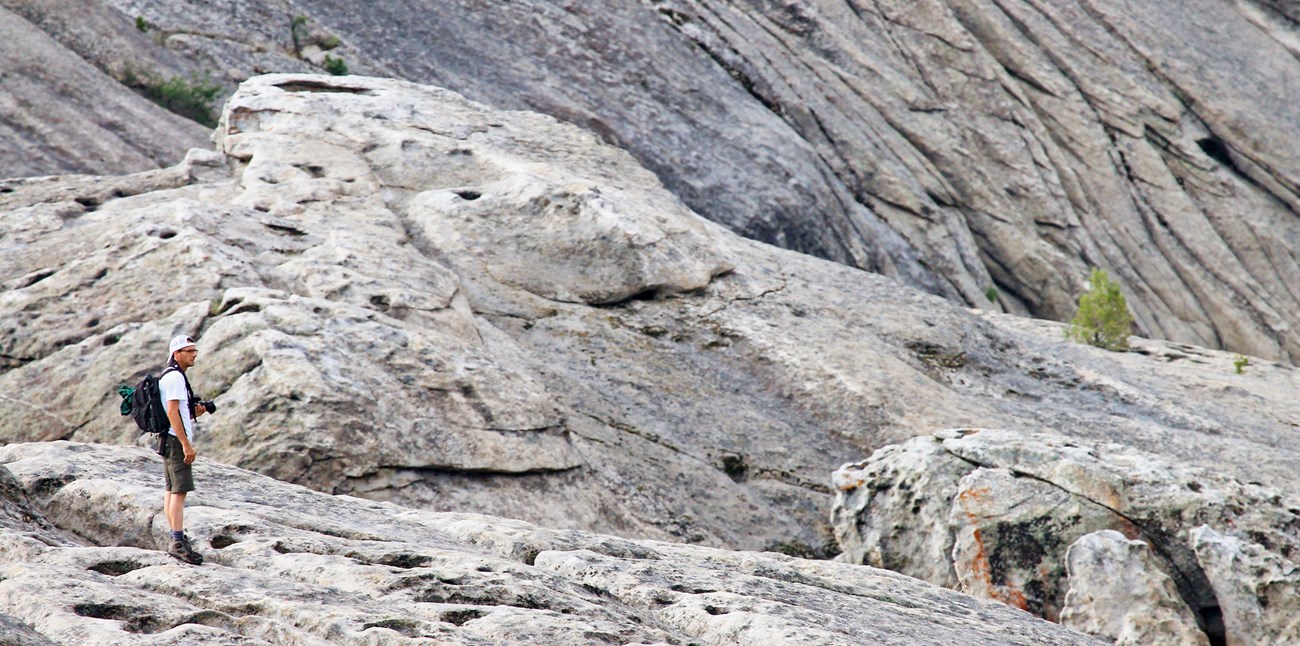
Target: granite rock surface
<point x="404" y="295"/>
<point x="991" y="151"/>
<point x="288" y="565"/>
<point x="1107" y="539"/>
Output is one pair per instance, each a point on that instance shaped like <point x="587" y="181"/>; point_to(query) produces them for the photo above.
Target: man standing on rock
<point x="178" y="451"/>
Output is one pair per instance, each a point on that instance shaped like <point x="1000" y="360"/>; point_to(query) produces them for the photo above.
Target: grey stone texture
<point x="403" y="295"/>
<point x="286" y="565"/>
<point x="959" y="146"/>
<point x="1118" y="591"/>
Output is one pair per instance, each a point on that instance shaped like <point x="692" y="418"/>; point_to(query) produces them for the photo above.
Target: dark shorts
<point x="178" y="476"/>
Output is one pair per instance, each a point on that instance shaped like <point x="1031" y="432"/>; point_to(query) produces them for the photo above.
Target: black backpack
<point x="144" y="403"/>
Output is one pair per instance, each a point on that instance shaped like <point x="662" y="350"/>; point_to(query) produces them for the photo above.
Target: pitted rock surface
<point x="407" y="296"/>
<point x="288" y="565"/>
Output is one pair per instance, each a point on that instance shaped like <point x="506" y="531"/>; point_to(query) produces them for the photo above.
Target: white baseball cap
<point x="179" y="343"/>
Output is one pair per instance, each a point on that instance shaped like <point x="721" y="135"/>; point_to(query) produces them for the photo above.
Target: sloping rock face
<point x="1044" y="522"/>
<point x="288" y="565"/>
<point x="60" y="114"/>
<point x="407" y="296"/>
<point x="957" y="145"/>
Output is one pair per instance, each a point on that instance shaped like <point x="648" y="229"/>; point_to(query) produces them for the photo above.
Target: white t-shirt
<point x="172" y="388"/>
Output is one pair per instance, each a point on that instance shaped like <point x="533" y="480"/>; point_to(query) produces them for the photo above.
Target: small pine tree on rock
<point x="1103" y="319"/>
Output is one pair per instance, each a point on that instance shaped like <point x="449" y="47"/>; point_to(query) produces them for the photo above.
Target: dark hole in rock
<point x="249" y="307"/>
<point x="101" y="273"/>
<point x="229" y="304"/>
<point x="484" y="568"/>
<point x="460" y="151"/>
<point x="110" y="339"/>
<point x="734" y="466"/>
<point x="1216" y="150"/>
<point x="89" y="203"/>
<point x="714" y="610"/>
<point x="119" y="193"/>
<point x="469" y="196"/>
<point x="380" y="302"/>
<point x="293" y="231"/>
<point x="407" y="627"/>
<point x="461" y="617"/>
<point x="115" y="568"/>
<point x="92" y="323"/>
<point x="405" y="561"/>
<point x="317" y="86"/>
<point x="279" y="547"/>
<point x="133" y="618"/>
<point x="222" y="541"/>
<point x="677" y="587"/>
<point x="6" y="189"/>
<point x="1212" y="617"/>
<point x="1194" y="486"/>
<point x="166" y="234"/>
<point x="314" y="170"/>
<point x="49" y="486"/>
<point x="261" y="208"/>
<point x="36" y="278"/>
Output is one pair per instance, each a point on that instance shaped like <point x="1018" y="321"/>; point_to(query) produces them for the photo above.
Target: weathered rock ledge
<point x="1102" y="537"/>
<point x="78" y="526"/>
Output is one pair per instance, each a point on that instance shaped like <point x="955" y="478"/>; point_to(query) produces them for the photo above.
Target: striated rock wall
<point x="960" y="146"/>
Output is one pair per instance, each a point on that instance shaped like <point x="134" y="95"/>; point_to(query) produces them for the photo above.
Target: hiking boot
<point x="182" y="550"/>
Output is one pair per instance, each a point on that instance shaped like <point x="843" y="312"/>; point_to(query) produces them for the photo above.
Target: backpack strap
<point x="189" y="394"/>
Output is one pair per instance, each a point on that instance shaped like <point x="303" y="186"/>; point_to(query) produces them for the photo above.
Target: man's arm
<point x="174" y="416"/>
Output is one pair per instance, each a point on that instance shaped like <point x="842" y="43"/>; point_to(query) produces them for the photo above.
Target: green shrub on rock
<point x="1103" y="318"/>
<point x="191" y="98"/>
<point x="335" y="66"/>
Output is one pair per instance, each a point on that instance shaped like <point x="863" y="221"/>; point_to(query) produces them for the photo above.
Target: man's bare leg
<point x="174" y="507"/>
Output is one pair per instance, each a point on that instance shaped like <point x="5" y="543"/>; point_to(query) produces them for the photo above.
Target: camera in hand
<point x="209" y="406"/>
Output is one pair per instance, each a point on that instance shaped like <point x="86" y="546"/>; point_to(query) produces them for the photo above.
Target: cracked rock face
<point x="1044" y="523"/>
<point x="960" y="146"/>
<point x="406" y="296"/>
<point x="288" y="565"/>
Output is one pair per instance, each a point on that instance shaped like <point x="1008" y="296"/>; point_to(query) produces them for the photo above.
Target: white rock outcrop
<point x="1061" y="527"/>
